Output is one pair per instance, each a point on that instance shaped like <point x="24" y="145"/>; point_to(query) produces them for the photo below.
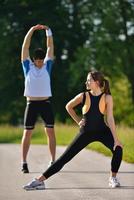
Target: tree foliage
<point x="87" y="34"/>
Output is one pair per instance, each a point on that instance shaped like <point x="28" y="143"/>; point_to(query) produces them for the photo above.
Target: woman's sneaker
<point x="34" y="185"/>
<point x="113" y="182"/>
<point x="25" y="168"/>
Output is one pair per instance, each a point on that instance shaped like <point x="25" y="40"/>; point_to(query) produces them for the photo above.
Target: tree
<point x="87" y="34"/>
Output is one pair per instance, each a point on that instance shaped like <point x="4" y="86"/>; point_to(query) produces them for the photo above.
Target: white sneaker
<point x="113" y="182"/>
<point x="34" y="185"/>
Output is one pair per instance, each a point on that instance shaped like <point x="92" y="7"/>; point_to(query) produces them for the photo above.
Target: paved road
<point x="84" y="178"/>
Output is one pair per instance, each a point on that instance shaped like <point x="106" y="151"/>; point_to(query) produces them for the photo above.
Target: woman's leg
<point x="79" y="142"/>
<point x="108" y="141"/>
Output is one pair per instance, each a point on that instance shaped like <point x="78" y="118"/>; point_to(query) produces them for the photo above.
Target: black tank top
<point x="94" y="119"/>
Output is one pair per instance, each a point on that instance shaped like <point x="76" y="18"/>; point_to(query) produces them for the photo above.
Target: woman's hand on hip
<point x="82" y="123"/>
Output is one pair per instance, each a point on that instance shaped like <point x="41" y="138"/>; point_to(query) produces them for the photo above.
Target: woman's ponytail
<point x="103" y="83"/>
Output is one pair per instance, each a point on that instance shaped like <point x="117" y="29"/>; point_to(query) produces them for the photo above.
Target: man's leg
<point x="51" y="142"/>
<point x="48" y="119"/>
<point x="30" y="117"/>
<point x="25" y="144"/>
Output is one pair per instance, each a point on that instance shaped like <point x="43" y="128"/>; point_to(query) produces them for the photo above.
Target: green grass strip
<point x="66" y="133"/>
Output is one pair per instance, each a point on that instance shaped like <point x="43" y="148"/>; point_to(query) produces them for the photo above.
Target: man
<point x="37" y="92"/>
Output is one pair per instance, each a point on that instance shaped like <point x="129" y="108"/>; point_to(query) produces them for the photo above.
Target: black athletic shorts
<point x="36" y="108"/>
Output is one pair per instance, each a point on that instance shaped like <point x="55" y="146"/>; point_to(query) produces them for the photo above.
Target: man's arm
<point x="49" y="43"/>
<point x="27" y="41"/>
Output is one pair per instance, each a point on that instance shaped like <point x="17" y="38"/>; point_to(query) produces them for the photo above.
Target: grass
<point x="65" y="134"/>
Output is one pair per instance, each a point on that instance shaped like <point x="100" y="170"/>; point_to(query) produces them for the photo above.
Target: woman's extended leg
<point x="79" y="142"/>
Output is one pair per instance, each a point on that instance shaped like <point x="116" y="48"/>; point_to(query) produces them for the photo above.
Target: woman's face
<point x="90" y="83"/>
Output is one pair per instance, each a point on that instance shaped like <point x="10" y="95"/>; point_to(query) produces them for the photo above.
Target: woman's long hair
<point x="103" y="83"/>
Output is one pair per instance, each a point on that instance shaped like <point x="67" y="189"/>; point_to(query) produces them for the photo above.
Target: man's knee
<point x="27" y="133"/>
<point x="50" y="132"/>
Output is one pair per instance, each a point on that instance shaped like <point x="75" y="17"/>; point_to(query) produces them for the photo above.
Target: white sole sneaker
<point x="114" y="186"/>
<point x="34" y="188"/>
<point x="34" y="185"/>
<point x="113" y="182"/>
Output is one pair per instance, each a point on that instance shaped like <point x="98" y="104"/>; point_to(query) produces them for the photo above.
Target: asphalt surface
<point x="83" y="178"/>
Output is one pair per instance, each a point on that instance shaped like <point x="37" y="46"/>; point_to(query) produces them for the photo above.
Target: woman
<point x="96" y="101"/>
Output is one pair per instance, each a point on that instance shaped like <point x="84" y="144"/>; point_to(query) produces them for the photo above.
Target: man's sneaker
<point x="50" y="163"/>
<point x="34" y="185"/>
<point x="113" y="182"/>
<point x="25" y="168"/>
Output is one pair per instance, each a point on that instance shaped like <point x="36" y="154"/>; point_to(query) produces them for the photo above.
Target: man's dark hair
<point x="39" y="53"/>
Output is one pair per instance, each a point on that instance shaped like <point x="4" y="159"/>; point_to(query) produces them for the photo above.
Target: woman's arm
<point x="70" y="107"/>
<point x="110" y="119"/>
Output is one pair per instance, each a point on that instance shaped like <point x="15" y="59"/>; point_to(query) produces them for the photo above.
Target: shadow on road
<point x="96" y="172"/>
<point x="91" y="188"/>
<point x="87" y="172"/>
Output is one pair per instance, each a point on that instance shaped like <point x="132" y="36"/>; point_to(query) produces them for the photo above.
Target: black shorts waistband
<point x="39" y="101"/>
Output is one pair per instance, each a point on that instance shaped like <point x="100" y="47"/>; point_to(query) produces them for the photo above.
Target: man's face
<point x="38" y="62"/>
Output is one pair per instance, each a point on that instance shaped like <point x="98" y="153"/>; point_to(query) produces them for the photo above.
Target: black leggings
<point x="81" y="141"/>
